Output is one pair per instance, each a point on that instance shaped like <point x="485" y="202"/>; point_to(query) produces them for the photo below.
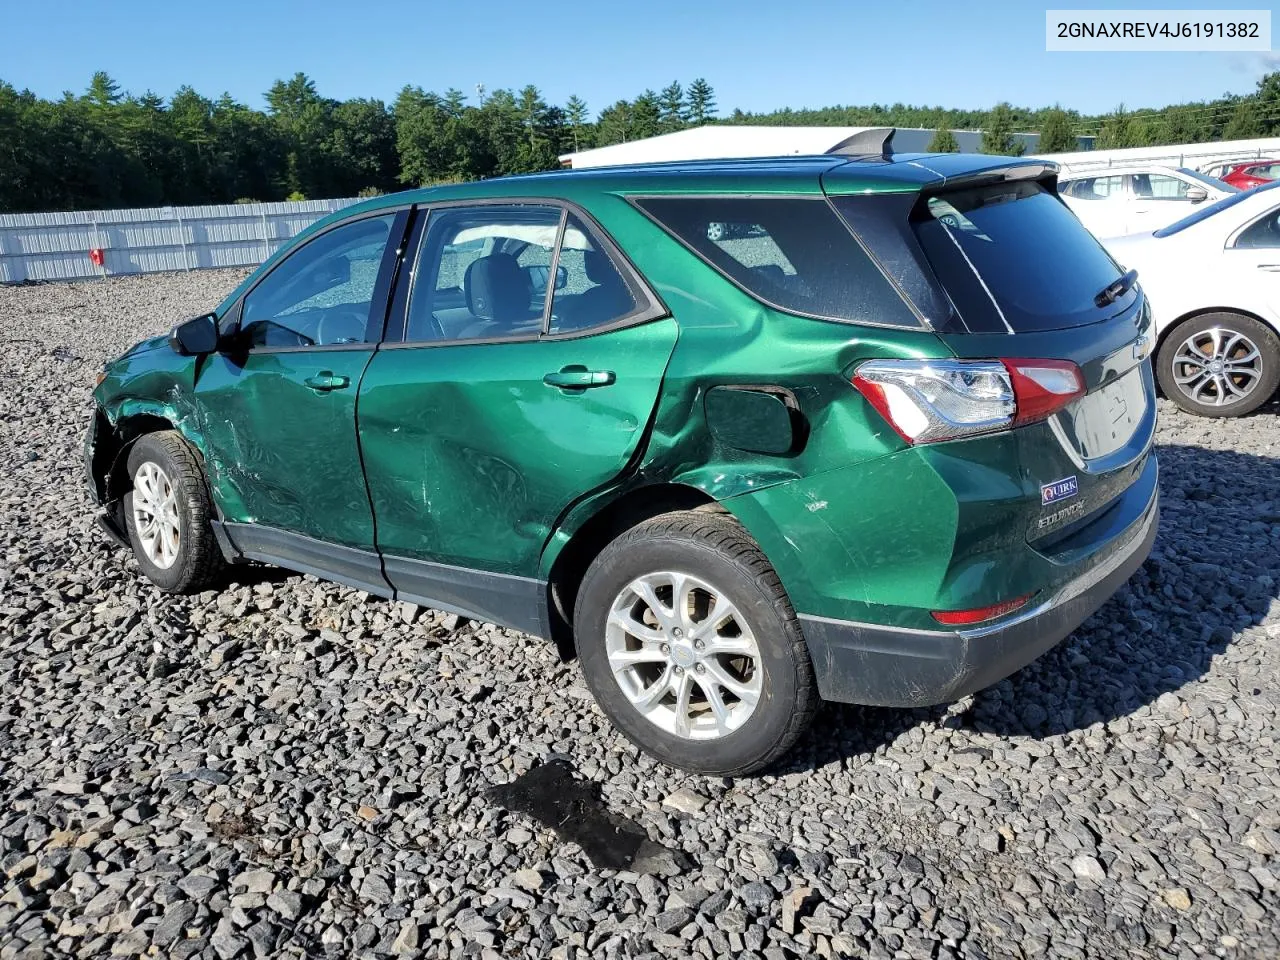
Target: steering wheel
<point x="341" y="320"/>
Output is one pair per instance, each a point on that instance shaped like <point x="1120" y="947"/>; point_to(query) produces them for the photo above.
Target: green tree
<point x="1055" y="133"/>
<point x="701" y="102"/>
<point x="672" y="113"/>
<point x="997" y="135"/>
<point x="1116" y="131"/>
<point x="614" y="124"/>
<point x="1245" y="122"/>
<point x="575" y="112"/>
<point x="944" y="141"/>
<point x="103" y="91"/>
<point x="646" y="116"/>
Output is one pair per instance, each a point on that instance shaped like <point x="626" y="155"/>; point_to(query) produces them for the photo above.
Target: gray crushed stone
<point x="290" y="768"/>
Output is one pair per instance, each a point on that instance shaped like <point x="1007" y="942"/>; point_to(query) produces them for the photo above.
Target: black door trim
<point x="519" y="603"/>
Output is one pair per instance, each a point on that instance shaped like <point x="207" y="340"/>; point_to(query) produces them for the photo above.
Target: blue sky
<point x="758" y="55"/>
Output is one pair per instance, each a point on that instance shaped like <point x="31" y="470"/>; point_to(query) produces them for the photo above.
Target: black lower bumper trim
<point x="897" y="667"/>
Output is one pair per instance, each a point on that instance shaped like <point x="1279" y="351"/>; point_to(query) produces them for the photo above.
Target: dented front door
<point x="281" y="434"/>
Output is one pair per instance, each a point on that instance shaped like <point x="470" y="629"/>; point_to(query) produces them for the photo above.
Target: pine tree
<point x="671" y="107"/>
<point x="575" y="111"/>
<point x="702" y="102"/>
<point x="1115" y="131"/>
<point x="1055" y="133"/>
<point x="944" y="141"/>
<point x="103" y="91"/>
<point x="997" y="135"/>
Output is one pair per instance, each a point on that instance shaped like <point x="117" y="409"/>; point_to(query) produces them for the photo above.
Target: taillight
<point x="1043" y="387"/>
<point x="926" y="401"/>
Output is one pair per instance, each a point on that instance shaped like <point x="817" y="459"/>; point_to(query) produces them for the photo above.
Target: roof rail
<point x="875" y="142"/>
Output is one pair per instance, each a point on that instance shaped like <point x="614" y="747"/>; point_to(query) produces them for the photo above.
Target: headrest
<point x="497" y="288"/>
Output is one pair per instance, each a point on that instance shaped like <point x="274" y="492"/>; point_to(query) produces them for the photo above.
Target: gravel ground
<point x="286" y="767"/>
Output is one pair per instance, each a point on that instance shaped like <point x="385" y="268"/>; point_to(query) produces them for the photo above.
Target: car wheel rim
<point x="155" y="515"/>
<point x="684" y="655"/>
<point x="1217" y="367"/>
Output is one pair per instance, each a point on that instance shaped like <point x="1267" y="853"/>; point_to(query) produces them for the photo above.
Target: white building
<point x="717" y="141"/>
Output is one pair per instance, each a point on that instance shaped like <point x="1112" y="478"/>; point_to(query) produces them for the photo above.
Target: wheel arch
<point x="1163" y="334"/>
<point x="582" y="542"/>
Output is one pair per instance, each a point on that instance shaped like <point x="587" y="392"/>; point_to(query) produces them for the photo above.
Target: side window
<point x="590" y="290"/>
<point x="1098" y="188"/>
<point x="794" y="253"/>
<point x="482" y="272"/>
<point x="321" y="293"/>
<point x="1263" y="233"/>
<point x="1156" y="186"/>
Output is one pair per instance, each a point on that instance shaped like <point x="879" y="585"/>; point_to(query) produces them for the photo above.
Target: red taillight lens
<point x="961" y="618"/>
<point x="926" y="401"/>
<point x="1043" y="387"/>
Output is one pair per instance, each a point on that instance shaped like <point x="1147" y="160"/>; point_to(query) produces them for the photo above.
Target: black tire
<point x="199" y="561"/>
<point x="1262" y="336"/>
<point x="715" y="549"/>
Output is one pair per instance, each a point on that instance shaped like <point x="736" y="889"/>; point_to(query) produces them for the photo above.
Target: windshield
<point x="1204" y="213"/>
<point x="1210" y="181"/>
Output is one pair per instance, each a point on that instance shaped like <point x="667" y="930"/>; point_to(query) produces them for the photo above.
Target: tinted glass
<point x="593" y="291"/>
<point x="793" y="253"/>
<point x="482" y="273"/>
<point x="1262" y="233"/>
<point x="1096" y="188"/>
<point x="320" y="294"/>
<point x="1159" y="186"/>
<point x="1209" y="181"/>
<point x="1206" y="210"/>
<point x="1013" y="257"/>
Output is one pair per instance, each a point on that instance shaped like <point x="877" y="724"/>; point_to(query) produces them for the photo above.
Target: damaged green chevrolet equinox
<point x="884" y="440"/>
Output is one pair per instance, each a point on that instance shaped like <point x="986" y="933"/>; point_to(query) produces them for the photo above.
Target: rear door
<point x="1101" y="202"/>
<point x="529" y="361"/>
<point x="1158" y="200"/>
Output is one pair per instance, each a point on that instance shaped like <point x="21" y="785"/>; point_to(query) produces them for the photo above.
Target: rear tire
<point x="728" y="694"/>
<point x="1219" y="365"/>
<point x="167" y="514"/>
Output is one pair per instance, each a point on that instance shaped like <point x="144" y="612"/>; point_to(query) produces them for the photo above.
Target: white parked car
<point x="1213" y="282"/>
<point x="1119" y="200"/>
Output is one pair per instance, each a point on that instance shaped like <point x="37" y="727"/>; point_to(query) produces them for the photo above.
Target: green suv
<point x="746" y="435"/>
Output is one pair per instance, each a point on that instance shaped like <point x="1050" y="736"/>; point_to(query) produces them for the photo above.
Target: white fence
<point x="55" y="246"/>
<point x="1193" y="155"/>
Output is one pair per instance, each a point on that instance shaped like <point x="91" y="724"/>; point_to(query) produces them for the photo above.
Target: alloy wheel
<point x="684" y="655"/>
<point x="155" y="515"/>
<point x="1217" y="367"/>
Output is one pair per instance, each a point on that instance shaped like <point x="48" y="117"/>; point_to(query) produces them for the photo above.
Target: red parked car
<point x="1253" y="173"/>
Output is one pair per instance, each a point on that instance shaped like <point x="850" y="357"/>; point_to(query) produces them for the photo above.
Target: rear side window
<point x="1013" y="258"/>
<point x="793" y="253"/>
<point x="1095" y="188"/>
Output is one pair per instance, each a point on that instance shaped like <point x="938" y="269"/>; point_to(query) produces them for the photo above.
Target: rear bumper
<point x="894" y="666"/>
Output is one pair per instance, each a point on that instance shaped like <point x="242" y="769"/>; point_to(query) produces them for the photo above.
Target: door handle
<point x="326" y="380"/>
<point x="1271" y="267"/>
<point x="578" y="377"/>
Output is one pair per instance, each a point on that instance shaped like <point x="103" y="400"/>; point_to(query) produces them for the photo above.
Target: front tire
<point x="167" y="514"/>
<point x="690" y="646"/>
<point x="1219" y="365"/>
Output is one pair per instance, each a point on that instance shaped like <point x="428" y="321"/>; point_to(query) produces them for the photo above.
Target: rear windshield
<point x="793" y="253"/>
<point x="1012" y="257"/>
